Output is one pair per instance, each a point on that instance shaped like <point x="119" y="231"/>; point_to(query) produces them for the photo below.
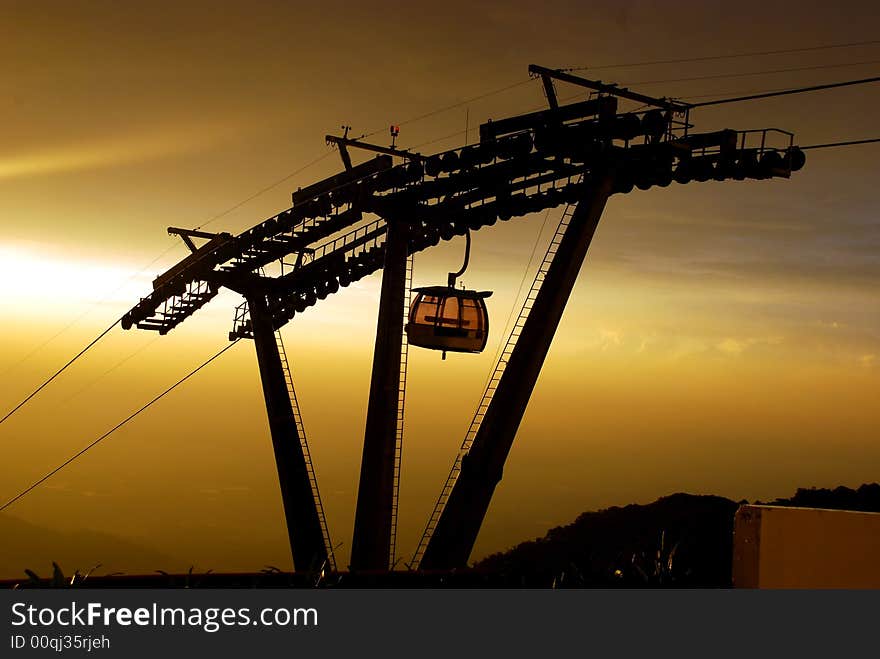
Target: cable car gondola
<point x="448" y="318"/>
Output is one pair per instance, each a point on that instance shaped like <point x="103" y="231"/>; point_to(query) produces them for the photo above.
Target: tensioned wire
<point x="112" y="430"/>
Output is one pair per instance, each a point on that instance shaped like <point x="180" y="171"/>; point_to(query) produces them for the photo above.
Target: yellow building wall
<point x="781" y="547"/>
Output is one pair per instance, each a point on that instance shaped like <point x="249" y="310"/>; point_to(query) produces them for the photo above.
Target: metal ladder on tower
<point x="310" y="469"/>
<point x="492" y="383"/>
<point x="401" y="403"/>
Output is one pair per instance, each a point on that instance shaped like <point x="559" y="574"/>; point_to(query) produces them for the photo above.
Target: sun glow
<point x="48" y="281"/>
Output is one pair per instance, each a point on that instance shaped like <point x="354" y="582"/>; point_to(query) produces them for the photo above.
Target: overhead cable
<point x="799" y="90"/>
<point x="709" y="58"/>
<point x="60" y="370"/>
<point x="835" y="144"/>
<point x="119" y="425"/>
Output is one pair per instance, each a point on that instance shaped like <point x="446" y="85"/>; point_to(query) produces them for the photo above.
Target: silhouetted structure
<point x="682" y="540"/>
<point x="866" y="498"/>
<point x="679" y="540"/>
<point x="374" y="216"/>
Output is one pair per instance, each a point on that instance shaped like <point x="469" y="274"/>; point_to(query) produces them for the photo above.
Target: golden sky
<point x="723" y="337"/>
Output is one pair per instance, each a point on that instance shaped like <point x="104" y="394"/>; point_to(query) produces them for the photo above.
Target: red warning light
<point x="395" y="130"/>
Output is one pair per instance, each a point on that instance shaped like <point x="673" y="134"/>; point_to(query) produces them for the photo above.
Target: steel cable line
<point x="311" y="163"/>
<point x="61" y="370"/>
<point x="728" y="94"/>
<point x="204" y="224"/>
<point x="37" y="349"/>
<point x="119" y="425"/>
<point x="785" y="92"/>
<point x="673" y="61"/>
<point x="85" y="313"/>
<point x="519" y="291"/>
<point x="523" y="82"/>
<point x="755" y="73"/>
<point x="236" y="207"/>
<point x="67" y="327"/>
<point x="129" y="278"/>
<point x="835" y="144"/>
<point x="454" y="106"/>
<point x="709" y="58"/>
<point x="107" y="372"/>
<point x="757" y="94"/>
<point x="760" y="93"/>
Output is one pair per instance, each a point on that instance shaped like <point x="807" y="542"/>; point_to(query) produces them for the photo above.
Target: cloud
<point x="601" y="339"/>
<point x="732" y="346"/>
<point x="114" y="150"/>
<point x="686" y="347"/>
<point x="737" y="346"/>
<point x="610" y="338"/>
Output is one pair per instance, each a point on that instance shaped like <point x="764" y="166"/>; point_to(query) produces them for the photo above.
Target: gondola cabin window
<point x="449" y="319"/>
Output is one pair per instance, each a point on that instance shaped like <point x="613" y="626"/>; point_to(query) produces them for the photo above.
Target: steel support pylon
<point x="371" y="541"/>
<point x="457" y="529"/>
<point x="303" y="522"/>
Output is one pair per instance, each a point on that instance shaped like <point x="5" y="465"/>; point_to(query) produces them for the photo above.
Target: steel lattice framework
<point x="341" y="229"/>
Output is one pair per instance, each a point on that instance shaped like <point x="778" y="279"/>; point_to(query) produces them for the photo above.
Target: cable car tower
<point x="374" y="216"/>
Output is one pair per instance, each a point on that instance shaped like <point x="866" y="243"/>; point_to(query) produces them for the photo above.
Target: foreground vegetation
<point x="680" y="540"/>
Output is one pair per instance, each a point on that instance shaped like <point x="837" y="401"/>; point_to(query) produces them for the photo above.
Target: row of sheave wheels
<point x="738" y="165"/>
<point x="438" y="226"/>
<point x="435" y="227"/>
<point x="579" y="137"/>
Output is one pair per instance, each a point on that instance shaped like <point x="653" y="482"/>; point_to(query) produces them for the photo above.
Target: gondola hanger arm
<point x="467" y="255"/>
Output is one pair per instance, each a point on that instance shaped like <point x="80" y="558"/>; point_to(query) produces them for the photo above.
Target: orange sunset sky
<point x="722" y="338"/>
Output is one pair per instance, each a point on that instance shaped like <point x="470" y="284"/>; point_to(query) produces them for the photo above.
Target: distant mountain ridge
<point x="28" y="546"/>
<point x="865" y="498"/>
<point x="678" y="540"/>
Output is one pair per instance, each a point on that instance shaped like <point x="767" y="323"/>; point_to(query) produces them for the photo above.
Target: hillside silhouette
<point x="681" y="540"/>
<point x="27" y="545"/>
<point x="866" y="498"/>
